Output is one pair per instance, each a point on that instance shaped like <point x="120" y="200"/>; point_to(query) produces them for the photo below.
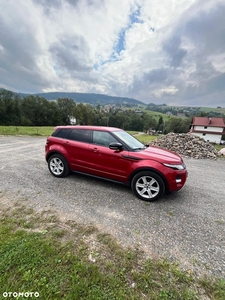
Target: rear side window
<point x="80" y="135"/>
<point x="61" y="133"/>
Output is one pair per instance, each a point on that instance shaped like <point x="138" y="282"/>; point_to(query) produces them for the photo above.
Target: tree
<point x="66" y="108"/>
<point x="160" y="124"/>
<point x="178" y="125"/>
<point x="136" y="123"/>
<point x="29" y="111"/>
<point x="149" y="122"/>
<point x="9" y="108"/>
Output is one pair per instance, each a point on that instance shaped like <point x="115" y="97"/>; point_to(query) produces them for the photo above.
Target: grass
<point x="218" y="147"/>
<point x="46" y="131"/>
<point x="26" y="130"/>
<point x="143" y="137"/>
<point x="71" y="261"/>
<point x="146" y="138"/>
<point x="157" y="115"/>
<point x="213" y="109"/>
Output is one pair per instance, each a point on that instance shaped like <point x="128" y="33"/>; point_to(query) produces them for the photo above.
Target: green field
<point x="212" y="109"/>
<point x="201" y="108"/>
<point x="157" y="115"/>
<point x="146" y="138"/>
<point x="46" y="131"/>
<point x="26" y="130"/>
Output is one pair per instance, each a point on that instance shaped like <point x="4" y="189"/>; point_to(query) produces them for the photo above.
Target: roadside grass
<point x="39" y="253"/>
<point x="26" y="130"/>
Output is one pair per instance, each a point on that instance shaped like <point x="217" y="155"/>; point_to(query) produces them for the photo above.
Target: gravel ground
<point x="188" y="226"/>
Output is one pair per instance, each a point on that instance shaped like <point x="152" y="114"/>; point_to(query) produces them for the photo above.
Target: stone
<point x="186" y="145"/>
<point x="222" y="151"/>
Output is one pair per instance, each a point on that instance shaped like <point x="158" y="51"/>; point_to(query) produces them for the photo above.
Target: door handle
<point x="95" y="149"/>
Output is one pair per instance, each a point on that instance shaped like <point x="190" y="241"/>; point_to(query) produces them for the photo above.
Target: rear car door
<point x="77" y="145"/>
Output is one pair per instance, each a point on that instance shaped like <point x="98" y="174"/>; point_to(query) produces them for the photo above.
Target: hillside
<point x="89" y="98"/>
<point x="187" y="111"/>
<point x="155" y="110"/>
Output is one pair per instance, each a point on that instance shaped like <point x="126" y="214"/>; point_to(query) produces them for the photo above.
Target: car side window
<point x="80" y="135"/>
<point x="103" y="138"/>
<point x="61" y="133"/>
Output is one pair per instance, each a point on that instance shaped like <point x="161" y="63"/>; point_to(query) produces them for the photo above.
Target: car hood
<point x="159" y="154"/>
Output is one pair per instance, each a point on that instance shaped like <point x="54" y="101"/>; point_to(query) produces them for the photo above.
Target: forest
<point x="34" y="110"/>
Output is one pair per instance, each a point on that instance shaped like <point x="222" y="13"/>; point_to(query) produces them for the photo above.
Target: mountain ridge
<point x="87" y="98"/>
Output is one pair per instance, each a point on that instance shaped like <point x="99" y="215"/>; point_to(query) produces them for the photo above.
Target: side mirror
<point x="116" y="146"/>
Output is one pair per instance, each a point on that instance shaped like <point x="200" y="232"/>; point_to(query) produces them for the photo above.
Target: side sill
<point x="99" y="177"/>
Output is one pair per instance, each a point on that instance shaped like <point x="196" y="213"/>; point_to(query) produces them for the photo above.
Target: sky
<point x="167" y="51"/>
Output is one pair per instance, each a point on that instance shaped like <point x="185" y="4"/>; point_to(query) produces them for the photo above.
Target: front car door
<point x="106" y="162"/>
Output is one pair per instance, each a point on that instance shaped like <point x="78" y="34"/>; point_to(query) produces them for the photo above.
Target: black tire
<point x="58" y="165"/>
<point x="148" y="186"/>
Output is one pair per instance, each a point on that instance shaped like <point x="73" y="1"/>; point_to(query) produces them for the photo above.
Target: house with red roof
<point x="210" y="129"/>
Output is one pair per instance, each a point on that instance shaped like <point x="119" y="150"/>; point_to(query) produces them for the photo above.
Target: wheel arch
<point x="54" y="152"/>
<point x="151" y="170"/>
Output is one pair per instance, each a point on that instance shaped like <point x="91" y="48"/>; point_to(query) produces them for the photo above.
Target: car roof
<point x="89" y="127"/>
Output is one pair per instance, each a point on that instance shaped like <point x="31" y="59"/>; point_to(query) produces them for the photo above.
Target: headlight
<point x="176" y="167"/>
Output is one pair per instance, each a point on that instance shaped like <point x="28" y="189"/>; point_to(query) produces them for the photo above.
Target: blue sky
<point x="164" y="51"/>
<point x="134" y="17"/>
<point x="120" y="43"/>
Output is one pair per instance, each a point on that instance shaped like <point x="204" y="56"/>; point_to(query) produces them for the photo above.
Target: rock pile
<point x="187" y="145"/>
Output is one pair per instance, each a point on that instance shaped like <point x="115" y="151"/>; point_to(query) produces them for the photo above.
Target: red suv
<point x="113" y="154"/>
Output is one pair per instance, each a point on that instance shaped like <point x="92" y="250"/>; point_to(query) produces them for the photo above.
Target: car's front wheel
<point x="148" y="186"/>
<point x="58" y="165"/>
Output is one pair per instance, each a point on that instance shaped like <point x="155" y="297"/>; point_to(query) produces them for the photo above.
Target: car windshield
<point x="129" y="140"/>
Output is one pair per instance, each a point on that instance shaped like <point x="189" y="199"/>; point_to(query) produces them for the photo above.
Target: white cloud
<point x="169" y="51"/>
<point x="171" y="90"/>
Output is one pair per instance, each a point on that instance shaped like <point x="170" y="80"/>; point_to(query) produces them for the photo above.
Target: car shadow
<point x="119" y="187"/>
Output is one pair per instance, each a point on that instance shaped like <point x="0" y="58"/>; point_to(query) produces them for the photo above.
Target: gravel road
<point x="188" y="226"/>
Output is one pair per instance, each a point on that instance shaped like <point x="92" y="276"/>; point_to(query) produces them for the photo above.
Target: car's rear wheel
<point x="58" y="165"/>
<point x="148" y="186"/>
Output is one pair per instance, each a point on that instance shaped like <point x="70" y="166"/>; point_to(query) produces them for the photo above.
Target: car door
<point x="77" y="144"/>
<point x="106" y="162"/>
